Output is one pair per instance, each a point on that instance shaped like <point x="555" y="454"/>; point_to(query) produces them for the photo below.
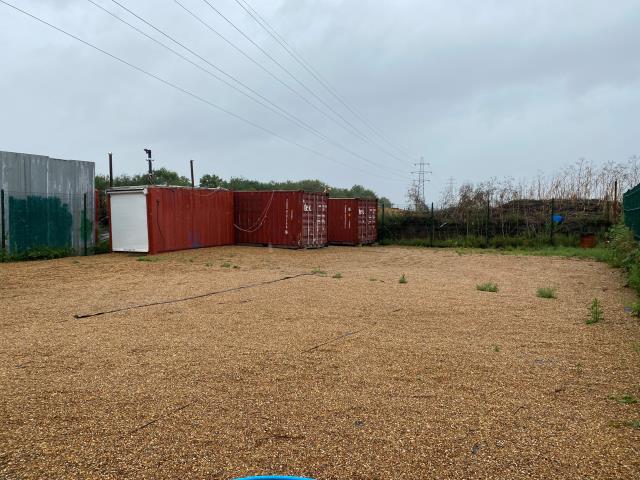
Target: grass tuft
<point x="337" y="275"/>
<point x="226" y="265"/>
<point x="403" y="279"/>
<point x="487" y="287"/>
<point x="496" y="348"/>
<point x="624" y="399"/>
<point x="546" y="292"/>
<point x="148" y="259"/>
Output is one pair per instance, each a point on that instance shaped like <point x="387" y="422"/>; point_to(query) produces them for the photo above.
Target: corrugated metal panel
<point x="281" y="218"/>
<point x="178" y="218"/>
<point x="352" y="221"/>
<point x="44" y="201"/>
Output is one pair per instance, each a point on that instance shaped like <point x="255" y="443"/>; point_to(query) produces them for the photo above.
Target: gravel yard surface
<point x="358" y="377"/>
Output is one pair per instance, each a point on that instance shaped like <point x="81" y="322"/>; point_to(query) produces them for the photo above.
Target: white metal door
<point x="129" y="221"/>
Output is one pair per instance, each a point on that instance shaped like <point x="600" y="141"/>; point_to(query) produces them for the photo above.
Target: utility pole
<point x="149" y="159"/>
<point x="421" y="172"/>
<point x="193" y="182"/>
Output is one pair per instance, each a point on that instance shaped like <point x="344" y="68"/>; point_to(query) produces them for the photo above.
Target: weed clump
<point x="403" y="279"/>
<point x="624" y="399"/>
<point x="337" y="275"/>
<point x="546" y="292"/>
<point x="595" y="312"/>
<point x="487" y="287"/>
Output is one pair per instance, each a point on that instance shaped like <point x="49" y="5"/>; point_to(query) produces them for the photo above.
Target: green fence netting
<point x="631" y="207"/>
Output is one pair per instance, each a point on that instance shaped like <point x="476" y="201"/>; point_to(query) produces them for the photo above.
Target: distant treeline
<point x="163" y="176"/>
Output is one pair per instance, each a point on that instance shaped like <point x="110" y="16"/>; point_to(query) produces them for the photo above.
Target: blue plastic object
<point x="557" y="218"/>
<point x="274" y="477"/>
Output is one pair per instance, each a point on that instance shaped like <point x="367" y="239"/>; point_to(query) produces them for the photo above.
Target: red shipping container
<point x="164" y="219"/>
<point x="353" y="221"/>
<point x="281" y="218"/>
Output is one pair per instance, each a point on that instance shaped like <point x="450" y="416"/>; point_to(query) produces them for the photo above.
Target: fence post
<point x="615" y="202"/>
<point x="553" y="212"/>
<point x="382" y="226"/>
<point x="433" y="225"/>
<point x="488" y="233"/>
<point x="4" y="244"/>
<point x="84" y="223"/>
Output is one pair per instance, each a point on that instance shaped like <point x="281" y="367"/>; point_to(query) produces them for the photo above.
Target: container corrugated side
<point x="294" y="219"/>
<point x="185" y="218"/>
<point x="352" y="221"/>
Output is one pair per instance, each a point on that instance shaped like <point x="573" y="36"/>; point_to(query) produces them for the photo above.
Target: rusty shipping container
<point x="163" y="219"/>
<point x="353" y="221"/>
<point x="281" y="218"/>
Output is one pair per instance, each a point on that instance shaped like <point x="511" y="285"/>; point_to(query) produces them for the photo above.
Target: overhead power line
<point x="269" y="105"/>
<point x="269" y="72"/>
<point x="185" y="91"/>
<point x="353" y="129"/>
<point x="266" y="26"/>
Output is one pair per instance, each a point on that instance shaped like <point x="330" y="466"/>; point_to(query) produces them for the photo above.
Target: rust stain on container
<point x="164" y="219"/>
<point x="281" y="218"/>
<point x="352" y="221"/>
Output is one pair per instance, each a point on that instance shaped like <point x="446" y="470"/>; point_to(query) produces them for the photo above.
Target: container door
<point x="129" y="221"/>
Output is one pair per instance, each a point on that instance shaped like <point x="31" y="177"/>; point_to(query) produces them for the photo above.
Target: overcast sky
<point x="479" y="88"/>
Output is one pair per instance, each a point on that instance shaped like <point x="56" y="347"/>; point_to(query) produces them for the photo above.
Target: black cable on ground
<point x="202" y="295"/>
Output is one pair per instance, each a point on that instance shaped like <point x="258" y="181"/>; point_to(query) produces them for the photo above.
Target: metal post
<point x="110" y="170"/>
<point x="553" y="212"/>
<point x="433" y="225"/>
<point x="149" y="159"/>
<point x="84" y="223"/>
<point x="615" y="202"/>
<point x="382" y="226"/>
<point x="4" y="245"/>
<point x="488" y="232"/>
<point x="193" y="183"/>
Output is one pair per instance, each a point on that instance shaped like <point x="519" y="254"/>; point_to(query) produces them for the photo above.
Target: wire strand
<point x="284" y="112"/>
<point x="265" y="25"/>
<point x="271" y="106"/>
<point x="187" y="92"/>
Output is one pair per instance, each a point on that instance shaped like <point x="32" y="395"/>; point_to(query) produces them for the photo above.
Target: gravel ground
<point x="358" y="377"/>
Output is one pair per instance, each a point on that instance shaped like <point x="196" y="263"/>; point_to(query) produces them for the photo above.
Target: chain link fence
<point x="512" y="224"/>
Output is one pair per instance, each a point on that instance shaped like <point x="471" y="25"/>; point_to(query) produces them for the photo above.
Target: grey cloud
<point x="479" y="88"/>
